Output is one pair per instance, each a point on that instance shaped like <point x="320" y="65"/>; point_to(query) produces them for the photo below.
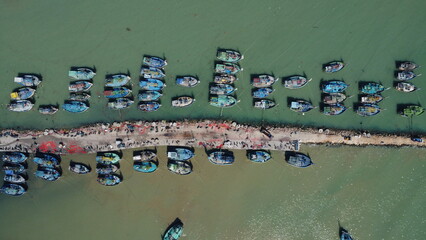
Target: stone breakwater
<point x="208" y="134"/>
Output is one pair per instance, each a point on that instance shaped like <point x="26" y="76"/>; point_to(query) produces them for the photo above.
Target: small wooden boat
<point x="222" y="89"/>
<point x="106" y="168"/>
<point x="295" y="82"/>
<point x="225" y="78"/>
<point x="154" y="62"/>
<point x="264" y="104"/>
<point x="264" y="80"/>
<point x="20" y="106"/>
<point x="334" y="109"/>
<point x="152" y="72"/>
<point x="108" y="179"/>
<point x="405" y="87"/>
<point x="145" y="166"/>
<point x="75" y="106"/>
<point x="145" y="155"/>
<point x="180" y="154"/>
<point x="301" y="106"/>
<point x="221" y="157"/>
<point x="405" y="75"/>
<point x="187" y="81"/>
<point x="151" y="84"/>
<point x="149" y="95"/>
<point x="411" y="111"/>
<point x="12" y="189"/>
<point x="107" y="158"/>
<point x="332" y="67"/>
<point x="120" y="103"/>
<point x="222" y="101"/>
<point x="333" y="98"/>
<point x="179" y="167"/>
<point x="372" y="88"/>
<point x="48" y="109"/>
<point x="298" y="159"/>
<point x="227" y="55"/>
<point x="228" y="68"/>
<point x="80" y="96"/>
<point x="14" y="157"/>
<point x="182" y="101"/>
<point x="14" y="167"/>
<point x="368" y="109"/>
<point x="79" y="168"/>
<point x="174" y="231"/>
<point x="22" y="93"/>
<point x="80" y="86"/>
<point x="149" y="106"/>
<point x="49" y="174"/>
<point x="259" y="156"/>
<point x="261" y="92"/>
<point x="117" y="80"/>
<point x="333" y="86"/>
<point x="344" y="235"/>
<point x="407" y="66"/>
<point x="46" y="160"/>
<point x="371" y="98"/>
<point x="11" y="177"/>
<point x="81" y="73"/>
<point x="28" y="80"/>
<point x="118" y="92"/>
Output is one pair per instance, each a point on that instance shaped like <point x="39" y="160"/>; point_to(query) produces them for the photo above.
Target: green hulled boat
<point x="107" y="158"/>
<point x="411" y="111"/>
<point x="174" y="231"/>
<point x="222" y="101"/>
<point x="229" y="55"/>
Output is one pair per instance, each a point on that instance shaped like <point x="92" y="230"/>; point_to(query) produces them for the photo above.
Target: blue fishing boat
<point x="298" y="159"/>
<point x="151" y="84"/>
<point x="108" y="179"/>
<point x="152" y="72"/>
<point x="225" y="78"/>
<point x="228" y="68"/>
<point x="20" y="106"/>
<point x="405" y="75"/>
<point x="264" y="80"/>
<point x="180" y="154"/>
<point x="372" y="88"/>
<point x="344" y="235"/>
<point x="117" y="80"/>
<point x="149" y="95"/>
<point x="259" y="156"/>
<point x="120" y="103"/>
<point x="13" y="177"/>
<point x="332" y="67"/>
<point x="367" y="109"/>
<point x="106" y="168"/>
<point x="222" y="89"/>
<point x="14" y="167"/>
<point x="28" y="80"/>
<point x="14" y="157"/>
<point x="416" y="139"/>
<point x="49" y="174"/>
<point x="174" y="231"/>
<point x="179" y="167"/>
<point x="107" y="158"/>
<point x="295" y="82"/>
<point x="118" y="92"/>
<point x="333" y="109"/>
<point x="48" y="109"/>
<point x="261" y="92"/>
<point x="187" y="81"/>
<point x="80" y="86"/>
<point x="221" y="157"/>
<point x="81" y="73"/>
<point x="46" y="160"/>
<point x="79" y="168"/>
<point x="149" y="106"/>
<point x="12" y="189"/>
<point x="222" y="101"/>
<point x="333" y="86"/>
<point x="301" y="106"/>
<point x="22" y="93"/>
<point x="154" y="62"/>
<point x="145" y="166"/>
<point x="75" y="106"/>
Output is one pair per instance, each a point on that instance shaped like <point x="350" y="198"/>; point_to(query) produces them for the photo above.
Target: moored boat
<point x="15" y="167"/>
<point x="106" y="169"/>
<point x="12" y="189"/>
<point x="333" y="86"/>
<point x="221" y="157"/>
<point x="81" y="73"/>
<point x="48" y="109"/>
<point x="405" y="87"/>
<point x="22" y="93"/>
<point x="261" y="81"/>
<point x="180" y="154"/>
<point x="405" y="75"/>
<point x="407" y="66"/>
<point x="222" y="89"/>
<point x="187" y="81"/>
<point x="264" y="104"/>
<point x="411" y="111"/>
<point x="371" y="98"/>
<point x="332" y="67"/>
<point x="120" y="103"/>
<point x="222" y="101"/>
<point x="261" y="92"/>
<point x="151" y="84"/>
<point x="182" y="101"/>
<point x="145" y="166"/>
<point x="46" y="160"/>
<point x="344" y="235"/>
<point x="372" y="88"/>
<point x="20" y="106"/>
<point x="154" y="62"/>
<point x="49" y="174"/>
<point x="368" y="109"/>
<point x="75" y="106"/>
<point x="145" y="155"/>
<point x="117" y="80"/>
<point x="333" y="98"/>
<point x="152" y="72"/>
<point x="107" y="157"/>
<point x="179" y="167"/>
<point x="108" y="179"/>
<point x="227" y="55"/>
<point x="13" y="178"/>
<point x="228" y="68"/>
<point x="118" y="92"/>
<point x="225" y="78"/>
<point x="174" y="231"/>
<point x="298" y="159"/>
<point x="28" y="80"/>
<point x="149" y="106"/>
<point x="259" y="156"/>
<point x="149" y="95"/>
<point x="333" y="109"/>
<point x="301" y="106"/>
<point x="14" y="157"/>
<point x="295" y="82"/>
<point x="80" y="86"/>
<point x="79" y="96"/>
<point x="79" y="168"/>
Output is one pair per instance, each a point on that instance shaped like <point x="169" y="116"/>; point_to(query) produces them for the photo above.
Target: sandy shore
<point x="211" y="134"/>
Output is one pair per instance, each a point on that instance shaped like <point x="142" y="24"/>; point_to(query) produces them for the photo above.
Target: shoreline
<point x="205" y="133"/>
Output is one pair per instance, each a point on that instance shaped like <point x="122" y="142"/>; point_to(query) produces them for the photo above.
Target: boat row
<point x="405" y="70"/>
<point x="106" y="168"/>
<point x="48" y="166"/>
<point x="15" y="177"/>
<point x="151" y="84"/>
<point x="145" y="161"/>
<point x="21" y="97"/>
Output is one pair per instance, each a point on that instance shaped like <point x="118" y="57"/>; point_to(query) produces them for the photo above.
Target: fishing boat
<point x="301" y="106"/>
<point x="411" y="111"/>
<point x="79" y="96"/>
<point x="264" y="80"/>
<point x="80" y="86"/>
<point x="75" y="106"/>
<point x="49" y="174"/>
<point x="108" y="179"/>
<point x="28" y="80"/>
<point x="154" y="62"/>
<point x="296" y="81"/>
<point x="11" y="177"/>
<point x="333" y="98"/>
<point x="151" y="72"/>
<point x="106" y="169"/>
<point x="344" y="235"/>
<point x="22" y="93"/>
<point x="261" y="92"/>
<point x="228" y="68"/>
<point x="405" y="75"/>
<point x="334" y="109"/>
<point x="15" y="167"/>
<point x="406" y="66"/>
<point x="12" y="189"/>
<point x="225" y="78"/>
<point x="371" y="98"/>
<point x="222" y="101"/>
<point x="120" y="103"/>
<point x="416" y="139"/>
<point x="187" y="81"/>
<point x="259" y="156"/>
<point x="405" y="87"/>
<point x="174" y="231"/>
<point x="179" y="167"/>
<point x="180" y="154"/>
<point x="182" y="101"/>
<point x="48" y="109"/>
<point x="145" y="166"/>
<point x="221" y="157"/>
<point x="368" y="109"/>
<point x="20" y="106"/>
<point x="372" y="88"/>
<point x="222" y="89"/>
<point x="145" y="155"/>
<point x="298" y="159"/>
<point x="264" y="104"/>
<point x="46" y="160"/>
<point x="14" y="157"/>
<point x="149" y="95"/>
<point x="333" y="86"/>
<point x="107" y="157"/>
<point x="117" y="80"/>
<point x="149" y="106"/>
<point x="79" y="168"/>
<point x="81" y="73"/>
<point x="227" y="55"/>
<point x="332" y="67"/>
<point x="151" y="84"/>
<point x="118" y="92"/>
